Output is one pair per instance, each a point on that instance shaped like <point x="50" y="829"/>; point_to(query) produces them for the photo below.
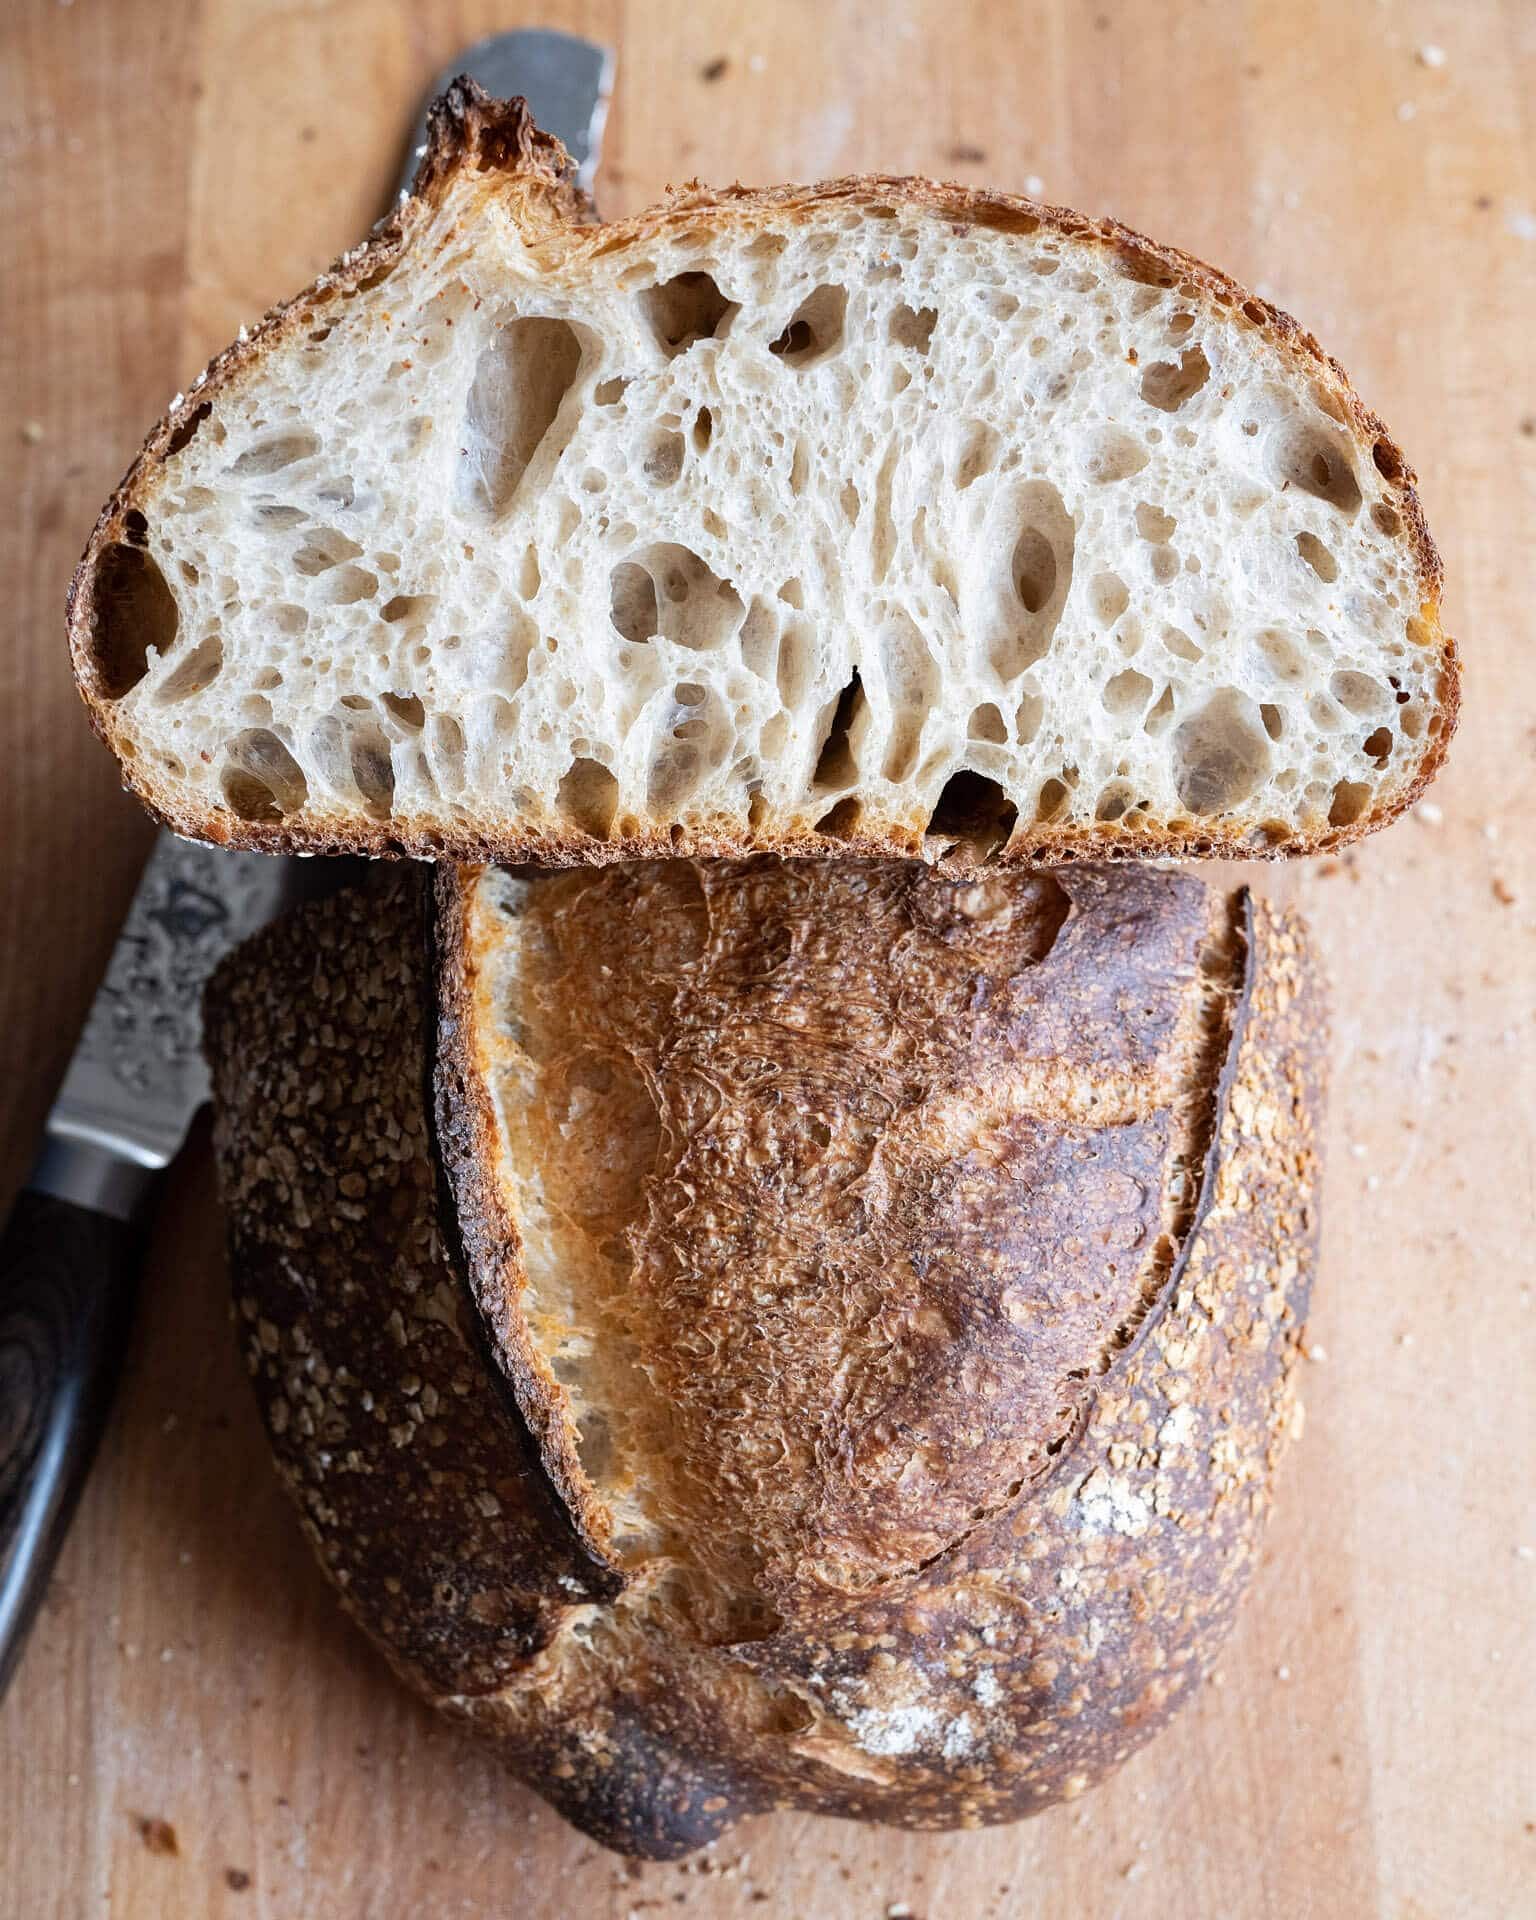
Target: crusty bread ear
<point x="963" y="1234"/>
<point x="878" y="515"/>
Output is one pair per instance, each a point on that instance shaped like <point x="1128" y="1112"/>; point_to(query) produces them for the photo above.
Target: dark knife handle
<point x="67" y="1281"/>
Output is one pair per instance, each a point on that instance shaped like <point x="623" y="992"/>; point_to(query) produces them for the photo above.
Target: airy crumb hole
<point x="698" y="608"/>
<point x="841" y="820"/>
<point x="196" y="673"/>
<point x="977" y="452"/>
<point x="1040" y="573"/>
<point x="321" y="549"/>
<point x="684" y="309"/>
<point x="911" y="680"/>
<point x="274" y="453"/>
<point x="1154" y="525"/>
<point x="1350" y="800"/>
<point x="261" y="781"/>
<point x="407" y="709"/>
<point x="1304" y="457"/>
<point x="1034" y="569"/>
<point x="189" y="428"/>
<point x="1116" y="800"/>
<point x="521" y="380"/>
<point x="412" y="607"/>
<point x="1221" y="753"/>
<point x="632" y="602"/>
<point x="1109" y="597"/>
<point x="1160" y="714"/>
<point x="1026" y="722"/>
<point x="132" y="611"/>
<point x="663" y="460"/>
<point x="1358" y="693"/>
<point x="815" y="329"/>
<point x="1283" y="657"/>
<point x="588" y="796"/>
<point x="1052" y="801"/>
<point x="1167" y="386"/>
<point x="1387" y="518"/>
<point x="973" y="811"/>
<point x="836" y="765"/>
<point x="1114" y="455"/>
<point x="1127" y="694"/>
<point x="1317" y="557"/>
<point x="373" y="770"/>
<point x="912" y="327"/>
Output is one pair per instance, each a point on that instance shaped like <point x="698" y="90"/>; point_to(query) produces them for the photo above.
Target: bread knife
<point x="70" y="1250"/>
<point x="69" y="1253"/>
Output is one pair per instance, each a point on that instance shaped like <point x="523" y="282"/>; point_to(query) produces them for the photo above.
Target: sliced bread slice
<point x="880" y="513"/>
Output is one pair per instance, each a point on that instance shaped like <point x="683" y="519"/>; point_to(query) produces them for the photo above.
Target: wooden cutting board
<point x="195" y="1729"/>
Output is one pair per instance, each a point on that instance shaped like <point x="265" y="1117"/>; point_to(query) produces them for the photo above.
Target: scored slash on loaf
<point x="882" y="515"/>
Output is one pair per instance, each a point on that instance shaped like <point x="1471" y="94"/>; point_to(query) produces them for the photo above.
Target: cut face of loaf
<point x="878" y="515"/>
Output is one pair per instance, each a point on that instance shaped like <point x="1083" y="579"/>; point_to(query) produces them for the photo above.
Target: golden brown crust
<point x="1047" y="1640"/>
<point x="864" y="1098"/>
<point x="472" y="133"/>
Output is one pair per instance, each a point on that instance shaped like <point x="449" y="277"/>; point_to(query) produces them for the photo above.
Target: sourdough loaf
<point x="881" y="516"/>
<point x="766" y="1333"/>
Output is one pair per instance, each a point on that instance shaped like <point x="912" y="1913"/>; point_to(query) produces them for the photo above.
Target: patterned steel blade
<point x="138" y="1075"/>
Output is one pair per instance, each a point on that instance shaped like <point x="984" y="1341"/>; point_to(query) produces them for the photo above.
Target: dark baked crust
<point x="1023" y="1662"/>
<point x="434" y="1522"/>
<point x="471" y="132"/>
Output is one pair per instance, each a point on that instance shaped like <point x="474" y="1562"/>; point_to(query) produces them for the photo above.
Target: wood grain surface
<point x="195" y="1729"/>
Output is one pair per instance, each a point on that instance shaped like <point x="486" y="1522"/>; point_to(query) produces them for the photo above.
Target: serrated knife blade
<point x="138" y="1073"/>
